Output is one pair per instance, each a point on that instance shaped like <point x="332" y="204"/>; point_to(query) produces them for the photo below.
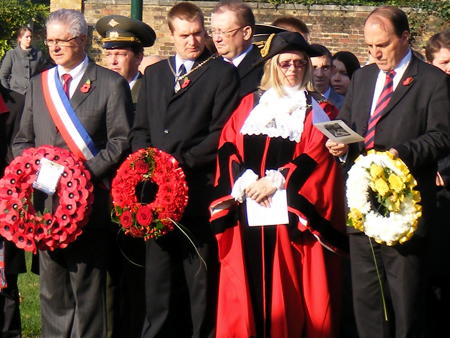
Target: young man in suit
<point x="322" y="76"/>
<point x="184" y="102"/>
<point x="73" y="279"/>
<point x="414" y="126"/>
<point x="232" y="29"/>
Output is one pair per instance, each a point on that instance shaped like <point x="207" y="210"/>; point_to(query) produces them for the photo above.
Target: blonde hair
<point x="271" y="77"/>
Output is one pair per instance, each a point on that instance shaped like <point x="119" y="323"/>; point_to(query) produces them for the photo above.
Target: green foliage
<point x="438" y="8"/>
<point x="15" y="14"/>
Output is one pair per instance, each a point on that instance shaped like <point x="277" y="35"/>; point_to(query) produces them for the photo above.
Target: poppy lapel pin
<point x="86" y="86"/>
<point x="408" y="81"/>
<point x="185" y="83"/>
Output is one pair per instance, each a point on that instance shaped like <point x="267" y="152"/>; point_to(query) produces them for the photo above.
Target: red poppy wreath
<point x="32" y="230"/>
<point x="154" y="219"/>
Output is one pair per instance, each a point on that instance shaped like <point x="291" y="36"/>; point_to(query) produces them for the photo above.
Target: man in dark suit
<point x="183" y="115"/>
<point x="11" y="105"/>
<point x="123" y="41"/>
<point x="414" y="126"/>
<point x="73" y="280"/>
<point x="232" y="29"/>
<point x="322" y="76"/>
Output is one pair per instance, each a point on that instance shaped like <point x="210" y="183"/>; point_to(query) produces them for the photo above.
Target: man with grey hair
<point x="72" y="291"/>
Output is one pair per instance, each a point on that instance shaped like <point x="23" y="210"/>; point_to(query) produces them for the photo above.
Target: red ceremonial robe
<point x="298" y="272"/>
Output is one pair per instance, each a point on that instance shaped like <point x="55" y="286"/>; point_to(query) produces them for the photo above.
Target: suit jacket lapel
<point x="402" y="88"/>
<point x="79" y="96"/>
<point x="249" y="62"/>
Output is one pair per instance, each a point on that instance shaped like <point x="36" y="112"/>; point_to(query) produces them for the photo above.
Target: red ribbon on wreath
<point x="31" y="230"/>
<point x="157" y="218"/>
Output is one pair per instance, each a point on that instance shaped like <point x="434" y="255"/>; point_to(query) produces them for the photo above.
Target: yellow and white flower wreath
<point x="382" y="199"/>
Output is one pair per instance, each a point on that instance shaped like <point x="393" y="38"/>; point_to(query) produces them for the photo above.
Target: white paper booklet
<point x="337" y="131"/>
<point x="277" y="213"/>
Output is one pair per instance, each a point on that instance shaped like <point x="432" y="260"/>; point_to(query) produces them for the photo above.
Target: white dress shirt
<point x="76" y="74"/>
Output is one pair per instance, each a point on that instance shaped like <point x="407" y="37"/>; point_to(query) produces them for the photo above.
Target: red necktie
<point x="382" y="103"/>
<point x="66" y="83"/>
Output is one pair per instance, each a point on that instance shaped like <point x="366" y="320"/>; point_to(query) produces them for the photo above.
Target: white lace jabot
<point x="277" y="116"/>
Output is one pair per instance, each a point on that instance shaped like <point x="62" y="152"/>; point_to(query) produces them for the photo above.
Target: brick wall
<point x="338" y="28"/>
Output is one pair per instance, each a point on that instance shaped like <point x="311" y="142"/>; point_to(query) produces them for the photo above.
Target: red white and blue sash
<point x="65" y="118"/>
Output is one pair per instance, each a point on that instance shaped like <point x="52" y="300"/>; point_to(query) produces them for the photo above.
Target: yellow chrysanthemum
<point x="396" y="183"/>
<point x="376" y="170"/>
<point x="381" y="187"/>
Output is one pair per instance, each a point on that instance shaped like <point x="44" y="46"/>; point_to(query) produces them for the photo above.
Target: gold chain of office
<point x="212" y="57"/>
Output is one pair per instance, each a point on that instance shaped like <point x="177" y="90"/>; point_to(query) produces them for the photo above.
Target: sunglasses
<point x="298" y="64"/>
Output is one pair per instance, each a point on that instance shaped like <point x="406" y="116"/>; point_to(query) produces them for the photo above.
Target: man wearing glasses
<point x="232" y="29"/>
<point x="72" y="290"/>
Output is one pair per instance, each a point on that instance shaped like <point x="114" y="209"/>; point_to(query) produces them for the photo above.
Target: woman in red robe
<point x="277" y="280"/>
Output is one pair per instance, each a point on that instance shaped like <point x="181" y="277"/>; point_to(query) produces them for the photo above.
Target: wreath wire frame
<point x="382" y="198"/>
<point x="157" y="218"/>
<point x="30" y="229"/>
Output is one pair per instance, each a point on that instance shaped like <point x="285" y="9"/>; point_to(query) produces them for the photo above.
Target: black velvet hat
<point x="262" y="32"/>
<point x="287" y="41"/>
<point x="122" y="32"/>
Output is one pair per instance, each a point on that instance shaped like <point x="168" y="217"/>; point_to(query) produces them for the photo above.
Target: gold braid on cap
<point x="121" y="39"/>
<point x="265" y="50"/>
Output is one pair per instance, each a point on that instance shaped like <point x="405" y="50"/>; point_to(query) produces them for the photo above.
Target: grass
<point x="29" y="306"/>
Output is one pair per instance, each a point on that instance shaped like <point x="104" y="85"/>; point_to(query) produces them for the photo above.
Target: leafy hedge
<point x="438" y="8"/>
<point x="15" y="14"/>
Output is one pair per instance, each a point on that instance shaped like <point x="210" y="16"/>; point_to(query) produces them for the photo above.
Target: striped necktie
<point x="66" y="83"/>
<point x="181" y="72"/>
<point x="382" y="103"/>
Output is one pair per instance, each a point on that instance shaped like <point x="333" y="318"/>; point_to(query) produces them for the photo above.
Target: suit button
<point x="166" y="131"/>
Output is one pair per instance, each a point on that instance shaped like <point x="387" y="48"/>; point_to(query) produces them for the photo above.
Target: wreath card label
<point x="48" y="176"/>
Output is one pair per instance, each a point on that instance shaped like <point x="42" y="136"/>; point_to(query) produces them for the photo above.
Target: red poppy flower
<point x="30" y="245"/>
<point x="144" y="216"/>
<point x="20" y="240"/>
<point x="7" y="232"/>
<point x="126" y="219"/>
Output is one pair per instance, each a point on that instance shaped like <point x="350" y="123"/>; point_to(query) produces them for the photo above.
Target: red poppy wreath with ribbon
<point x="156" y="218"/>
<point x="32" y="230"/>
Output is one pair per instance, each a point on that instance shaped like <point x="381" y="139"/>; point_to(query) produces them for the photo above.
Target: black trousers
<point x="10" y="324"/>
<point x="404" y="280"/>
<point x="180" y="293"/>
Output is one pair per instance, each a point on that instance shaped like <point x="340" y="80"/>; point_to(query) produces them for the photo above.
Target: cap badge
<point x="113" y="23"/>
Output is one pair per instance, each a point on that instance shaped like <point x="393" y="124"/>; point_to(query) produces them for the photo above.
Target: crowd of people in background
<point x="236" y="106"/>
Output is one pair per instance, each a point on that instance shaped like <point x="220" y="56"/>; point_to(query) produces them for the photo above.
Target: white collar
<point x="79" y="69"/>
<point x="133" y="80"/>
<point x="277" y="116"/>
<point x="76" y="74"/>
<point x="187" y="64"/>
<point x="327" y="93"/>
<point x="238" y="59"/>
